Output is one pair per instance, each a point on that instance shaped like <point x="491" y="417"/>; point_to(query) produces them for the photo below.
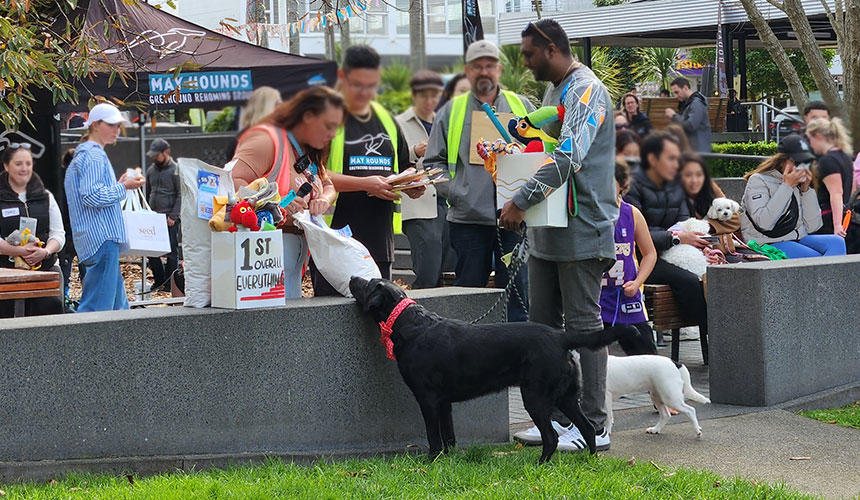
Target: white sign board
<point x="513" y="171"/>
<point x="247" y="269"/>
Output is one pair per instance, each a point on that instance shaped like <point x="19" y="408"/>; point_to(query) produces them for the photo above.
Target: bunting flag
<point x="308" y="22"/>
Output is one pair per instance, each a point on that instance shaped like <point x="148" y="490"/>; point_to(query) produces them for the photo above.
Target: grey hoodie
<point x="766" y="198"/>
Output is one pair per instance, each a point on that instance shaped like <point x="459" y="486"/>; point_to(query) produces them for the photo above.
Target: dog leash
<point x="519" y="256"/>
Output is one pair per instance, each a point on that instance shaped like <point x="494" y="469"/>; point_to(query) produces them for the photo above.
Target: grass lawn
<point x="848" y="416"/>
<point x="496" y="472"/>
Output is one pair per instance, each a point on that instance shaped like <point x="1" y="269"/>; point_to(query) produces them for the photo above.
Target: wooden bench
<point x="19" y="285"/>
<point x="665" y="313"/>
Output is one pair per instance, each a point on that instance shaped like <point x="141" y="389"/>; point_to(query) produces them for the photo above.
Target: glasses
<point x="621" y="126"/>
<point x="481" y="68"/>
<point x="538" y="30"/>
<point x="20" y="145"/>
<point x="362" y="88"/>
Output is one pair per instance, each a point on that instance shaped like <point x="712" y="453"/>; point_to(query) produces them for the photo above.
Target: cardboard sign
<point x="247" y="269"/>
<point x="513" y="172"/>
<point x="483" y="128"/>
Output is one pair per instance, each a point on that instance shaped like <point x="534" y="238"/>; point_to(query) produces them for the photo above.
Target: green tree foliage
<point x="396" y="101"/>
<point x="223" y="121"/>
<point x="396" y="76"/>
<point x="764" y="77"/>
<point x="516" y="77"/>
<point x="657" y="64"/>
<point x="606" y="69"/>
<point x="627" y="59"/>
<point x="43" y="49"/>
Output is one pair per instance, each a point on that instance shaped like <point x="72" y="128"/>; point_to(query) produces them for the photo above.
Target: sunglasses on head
<point x="533" y="26"/>
<point x="20" y="145"/>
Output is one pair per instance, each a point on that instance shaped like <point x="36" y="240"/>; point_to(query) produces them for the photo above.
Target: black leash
<point x="519" y="256"/>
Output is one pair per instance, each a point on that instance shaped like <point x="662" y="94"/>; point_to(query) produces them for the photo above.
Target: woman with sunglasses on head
<point x="639" y="123"/>
<point x="24" y="200"/>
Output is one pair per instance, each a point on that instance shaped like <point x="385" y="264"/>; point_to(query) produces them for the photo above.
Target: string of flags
<point x="310" y="21"/>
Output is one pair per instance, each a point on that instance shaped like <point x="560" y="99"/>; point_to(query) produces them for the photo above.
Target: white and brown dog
<point x="668" y="385"/>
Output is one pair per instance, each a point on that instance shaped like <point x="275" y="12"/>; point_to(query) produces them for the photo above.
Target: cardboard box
<point x="513" y="171"/>
<point x="247" y="269"/>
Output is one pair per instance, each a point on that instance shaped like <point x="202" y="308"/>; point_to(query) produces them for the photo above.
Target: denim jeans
<point x="478" y="253"/>
<point x="104" y="289"/>
<point x="814" y="245"/>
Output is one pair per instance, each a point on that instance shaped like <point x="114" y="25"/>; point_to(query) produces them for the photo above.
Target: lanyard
<point x="295" y="143"/>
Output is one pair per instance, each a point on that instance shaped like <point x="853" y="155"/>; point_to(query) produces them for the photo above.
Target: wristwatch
<point x="676" y="240"/>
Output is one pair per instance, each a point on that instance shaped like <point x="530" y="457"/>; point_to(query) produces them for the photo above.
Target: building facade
<point x="384" y="26"/>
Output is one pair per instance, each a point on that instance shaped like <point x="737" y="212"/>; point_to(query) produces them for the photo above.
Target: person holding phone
<point x="781" y="209"/>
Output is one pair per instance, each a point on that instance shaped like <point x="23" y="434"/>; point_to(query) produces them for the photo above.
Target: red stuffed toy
<point x="243" y="213"/>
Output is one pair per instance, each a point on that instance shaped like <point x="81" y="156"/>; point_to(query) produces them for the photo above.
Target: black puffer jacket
<point x="661" y="206"/>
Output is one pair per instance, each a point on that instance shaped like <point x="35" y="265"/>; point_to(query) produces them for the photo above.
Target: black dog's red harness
<point x="385" y="328"/>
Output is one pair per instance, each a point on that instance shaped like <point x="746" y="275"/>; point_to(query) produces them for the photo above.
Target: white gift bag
<point x="145" y="230"/>
<point x="513" y="171"/>
<point x="200" y="182"/>
<point x="248" y="269"/>
<point x="337" y="256"/>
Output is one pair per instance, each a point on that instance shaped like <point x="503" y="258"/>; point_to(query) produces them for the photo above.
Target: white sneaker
<point x="531" y="436"/>
<point x="573" y="440"/>
<point x="690" y="333"/>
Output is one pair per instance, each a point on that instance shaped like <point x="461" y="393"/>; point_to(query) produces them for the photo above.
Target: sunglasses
<point x="533" y="26"/>
<point x="20" y="145"/>
<point x="621" y="126"/>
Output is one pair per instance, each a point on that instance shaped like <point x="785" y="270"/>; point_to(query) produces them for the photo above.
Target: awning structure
<point x="674" y="23"/>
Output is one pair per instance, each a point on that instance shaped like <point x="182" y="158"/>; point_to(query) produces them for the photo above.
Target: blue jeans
<point x="814" y="245"/>
<point x="104" y="289"/>
<point x="478" y="252"/>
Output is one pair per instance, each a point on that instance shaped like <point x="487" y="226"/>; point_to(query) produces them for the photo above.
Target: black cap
<point x="796" y="147"/>
<point x="157" y="146"/>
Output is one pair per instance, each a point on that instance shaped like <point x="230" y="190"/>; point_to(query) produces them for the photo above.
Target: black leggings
<point x="687" y="289"/>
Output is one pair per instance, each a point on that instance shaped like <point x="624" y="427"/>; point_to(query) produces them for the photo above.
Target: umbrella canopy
<point x="216" y="70"/>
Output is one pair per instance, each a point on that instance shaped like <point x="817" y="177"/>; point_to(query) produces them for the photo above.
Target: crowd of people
<point x="634" y="184"/>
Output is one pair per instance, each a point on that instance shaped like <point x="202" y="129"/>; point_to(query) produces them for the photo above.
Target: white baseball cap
<point x="105" y="112"/>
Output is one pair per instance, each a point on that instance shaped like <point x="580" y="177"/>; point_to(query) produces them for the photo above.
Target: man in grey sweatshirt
<point x="566" y="265"/>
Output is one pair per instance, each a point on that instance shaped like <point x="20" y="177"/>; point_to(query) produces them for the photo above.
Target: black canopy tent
<point x="217" y="71"/>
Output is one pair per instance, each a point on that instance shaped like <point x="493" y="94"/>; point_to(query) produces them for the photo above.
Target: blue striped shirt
<point x="94" y="197"/>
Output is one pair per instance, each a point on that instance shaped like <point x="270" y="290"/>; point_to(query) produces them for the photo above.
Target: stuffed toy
<point x="221" y="206"/>
<point x="243" y="214"/>
<point x="527" y="129"/>
<point x="20" y="238"/>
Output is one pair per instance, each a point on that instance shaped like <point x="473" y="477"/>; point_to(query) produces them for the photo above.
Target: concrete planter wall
<point x="163" y="387"/>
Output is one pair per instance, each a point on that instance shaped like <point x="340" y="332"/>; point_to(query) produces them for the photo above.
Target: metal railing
<point x="763" y="116"/>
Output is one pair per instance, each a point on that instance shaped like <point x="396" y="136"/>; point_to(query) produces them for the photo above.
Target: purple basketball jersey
<point x="615" y="307"/>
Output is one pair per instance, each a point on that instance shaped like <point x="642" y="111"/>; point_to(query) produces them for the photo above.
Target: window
<point x="436" y="17"/>
<point x="488" y="16"/>
<point x="271" y="11"/>
<point x="403" y="16"/>
<point x="374" y="21"/>
<point x="455" y="17"/>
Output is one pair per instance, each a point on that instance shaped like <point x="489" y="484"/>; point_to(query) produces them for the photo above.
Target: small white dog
<point x="723" y="209"/>
<point x="687" y="256"/>
<point x="657" y="375"/>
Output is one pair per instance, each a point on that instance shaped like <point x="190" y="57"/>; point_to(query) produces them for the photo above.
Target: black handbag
<point x="786" y="223"/>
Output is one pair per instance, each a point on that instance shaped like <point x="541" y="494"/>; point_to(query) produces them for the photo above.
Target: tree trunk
<point x="345" y="42"/>
<point x="850" y="57"/>
<point x="777" y="53"/>
<point x="417" y="52"/>
<point x="812" y="53"/>
<point x="293" y="16"/>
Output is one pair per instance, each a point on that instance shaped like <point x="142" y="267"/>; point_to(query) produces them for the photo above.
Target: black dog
<point x="444" y="361"/>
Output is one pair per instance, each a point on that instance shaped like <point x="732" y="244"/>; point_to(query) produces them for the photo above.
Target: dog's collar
<point x="386" y="326"/>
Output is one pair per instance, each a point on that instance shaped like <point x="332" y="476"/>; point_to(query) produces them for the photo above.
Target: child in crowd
<point x="621" y="303"/>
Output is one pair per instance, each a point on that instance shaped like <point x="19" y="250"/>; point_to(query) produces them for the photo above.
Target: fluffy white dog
<point x="687" y="256"/>
<point x="657" y="375"/>
<point x="723" y="209"/>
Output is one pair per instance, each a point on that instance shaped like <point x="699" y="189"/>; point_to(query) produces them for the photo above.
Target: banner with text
<point x="205" y="87"/>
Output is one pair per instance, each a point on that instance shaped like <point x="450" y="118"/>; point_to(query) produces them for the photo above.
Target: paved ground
<point x="754" y="443"/>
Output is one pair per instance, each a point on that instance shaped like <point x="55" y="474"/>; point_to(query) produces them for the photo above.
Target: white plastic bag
<point x="337" y="257"/>
<point x="196" y="235"/>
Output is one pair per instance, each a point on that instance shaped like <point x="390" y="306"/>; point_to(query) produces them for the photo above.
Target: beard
<point x="485" y="86"/>
<point x="541" y="73"/>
